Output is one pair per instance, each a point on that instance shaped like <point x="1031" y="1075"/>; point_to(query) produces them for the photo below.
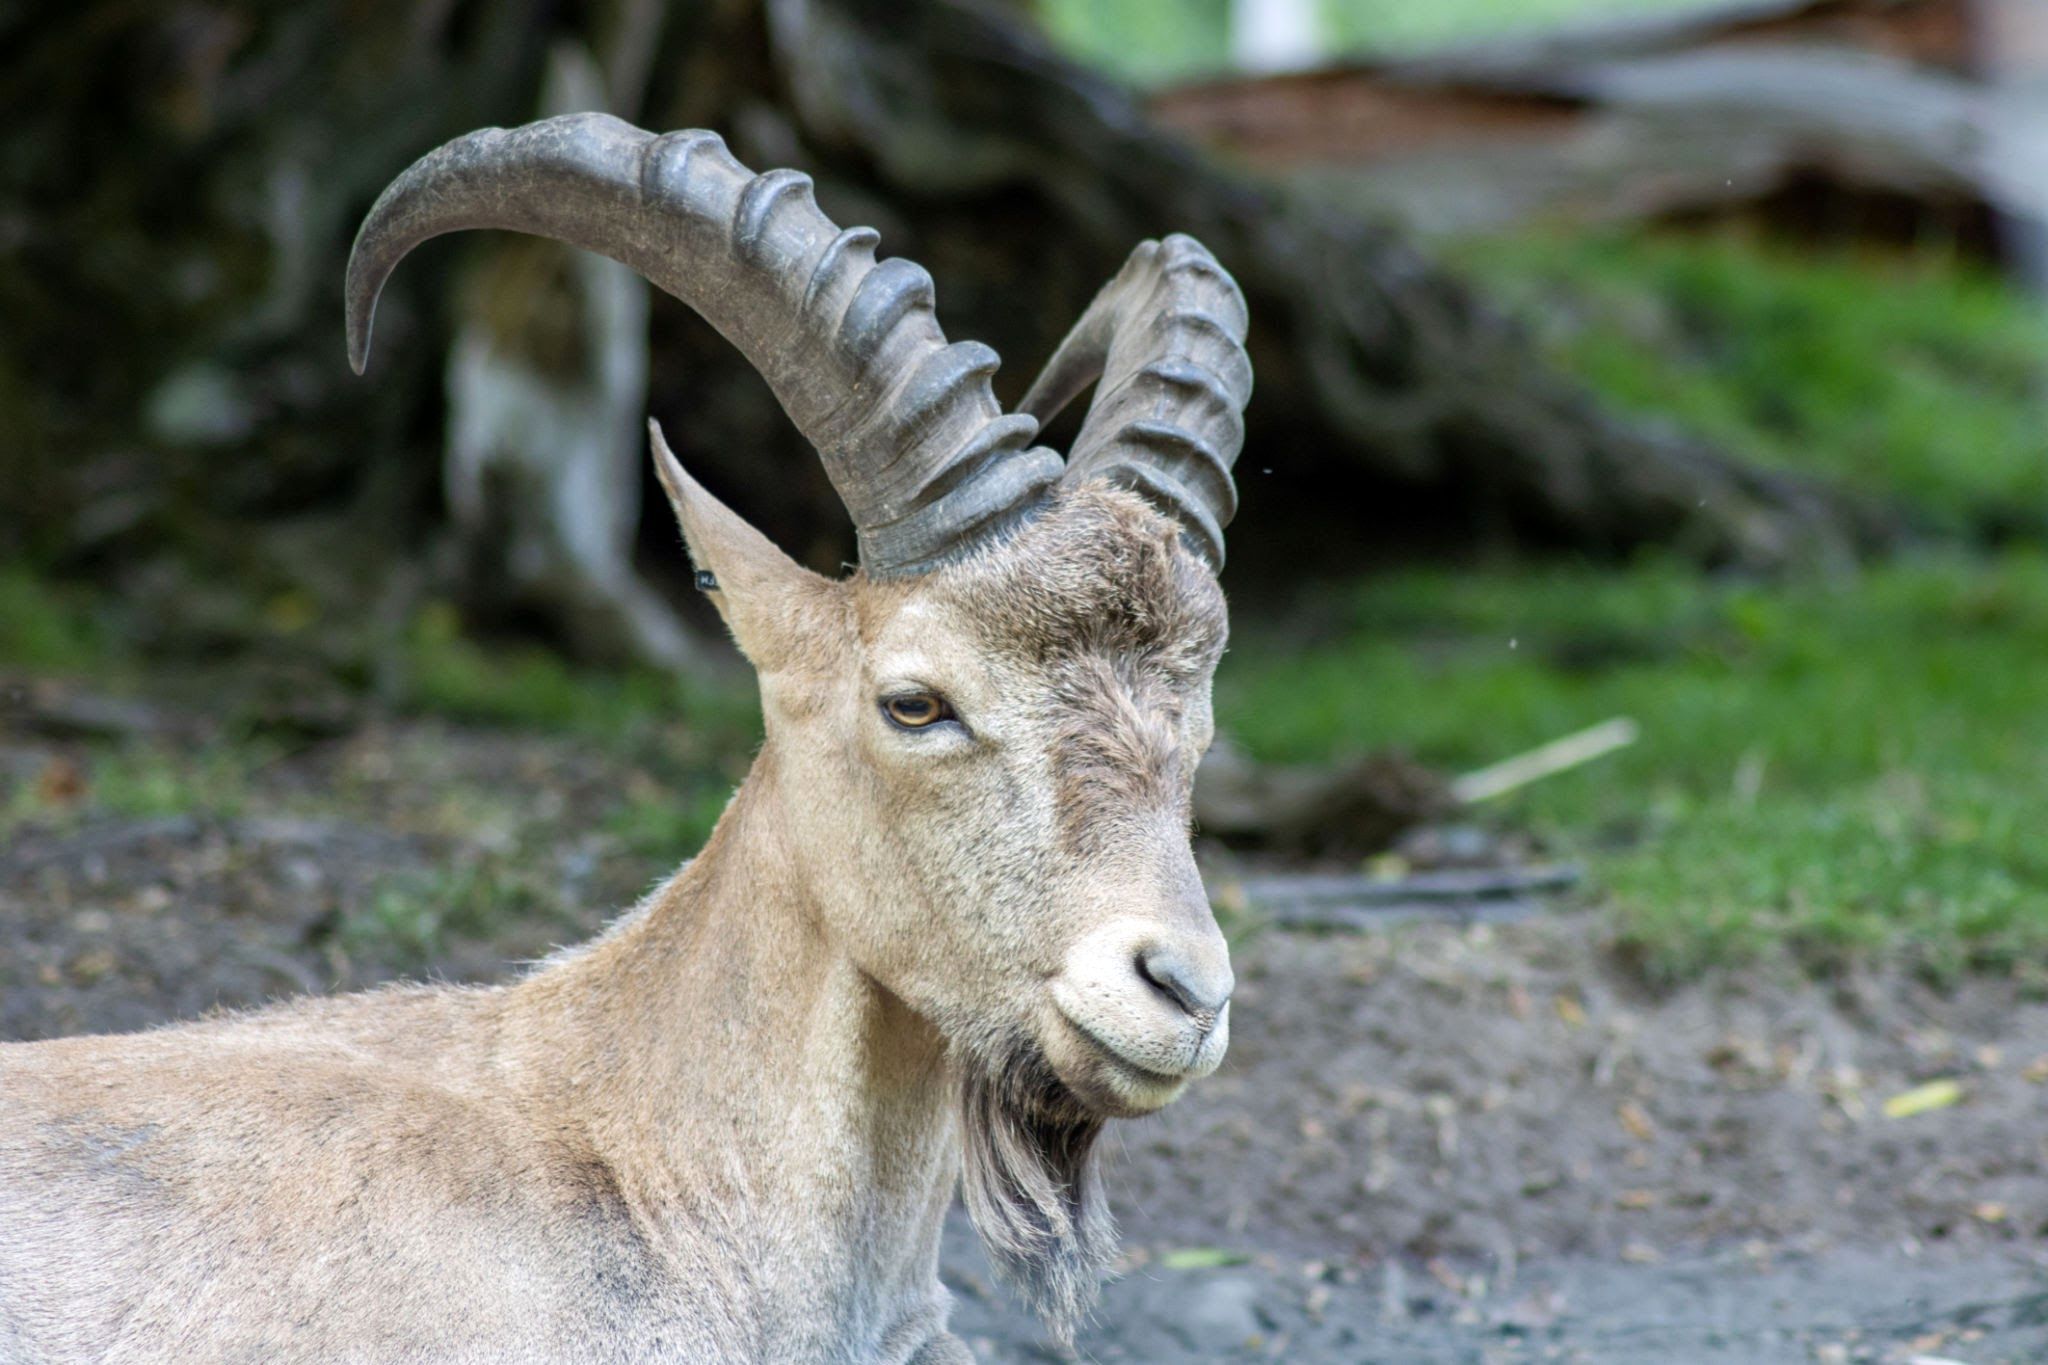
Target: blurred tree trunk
<point x="2013" y="57"/>
<point x="179" y="187"/>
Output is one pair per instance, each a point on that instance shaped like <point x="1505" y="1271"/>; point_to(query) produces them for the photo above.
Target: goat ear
<point x="777" y="610"/>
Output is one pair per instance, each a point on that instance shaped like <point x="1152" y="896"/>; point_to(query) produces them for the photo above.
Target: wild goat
<point x="948" y="927"/>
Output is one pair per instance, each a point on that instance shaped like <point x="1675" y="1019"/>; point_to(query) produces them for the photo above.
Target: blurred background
<point x="1635" y="734"/>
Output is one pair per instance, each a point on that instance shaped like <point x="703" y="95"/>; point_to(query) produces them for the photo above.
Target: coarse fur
<point x="729" y="1128"/>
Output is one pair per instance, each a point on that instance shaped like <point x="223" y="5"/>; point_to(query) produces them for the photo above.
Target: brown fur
<point x="729" y="1128"/>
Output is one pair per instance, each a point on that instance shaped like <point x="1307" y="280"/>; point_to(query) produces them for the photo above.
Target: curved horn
<point x="1165" y="338"/>
<point x="906" y="424"/>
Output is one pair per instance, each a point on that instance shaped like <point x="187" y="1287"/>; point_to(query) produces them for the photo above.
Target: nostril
<point x="1158" y="973"/>
<point x="1171" y="975"/>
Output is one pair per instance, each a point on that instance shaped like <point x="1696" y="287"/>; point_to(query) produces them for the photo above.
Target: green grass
<point x="1399" y="27"/>
<point x="44" y="628"/>
<point x="1142" y="41"/>
<point x="1152" y="41"/>
<point x="1904" y="376"/>
<point x="147" y="782"/>
<point x="410" y="919"/>
<point x="664" y="823"/>
<point x="1833" y="767"/>
<point x="137" y="781"/>
<point x="449" y="673"/>
<point x="52" y="628"/>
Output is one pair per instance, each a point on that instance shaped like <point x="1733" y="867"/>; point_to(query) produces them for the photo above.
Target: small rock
<point x="1220" y="1309"/>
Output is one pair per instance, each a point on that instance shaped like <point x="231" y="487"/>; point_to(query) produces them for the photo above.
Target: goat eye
<point x="916" y="710"/>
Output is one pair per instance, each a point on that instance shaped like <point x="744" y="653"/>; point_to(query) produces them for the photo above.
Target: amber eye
<point x="916" y="710"/>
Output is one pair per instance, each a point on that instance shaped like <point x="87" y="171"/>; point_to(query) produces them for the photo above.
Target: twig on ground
<point x="1546" y="760"/>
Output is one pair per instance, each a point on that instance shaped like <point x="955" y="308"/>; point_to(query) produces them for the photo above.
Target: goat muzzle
<point x="1143" y="1010"/>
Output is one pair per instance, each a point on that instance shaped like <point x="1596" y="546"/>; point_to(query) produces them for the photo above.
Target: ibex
<point x="947" y="928"/>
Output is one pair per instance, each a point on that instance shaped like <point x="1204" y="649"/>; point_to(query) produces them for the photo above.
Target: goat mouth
<point x="1111" y="1082"/>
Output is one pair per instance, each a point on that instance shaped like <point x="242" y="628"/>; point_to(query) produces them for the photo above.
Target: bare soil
<point x="1434" y="1143"/>
<point x="1492" y="1143"/>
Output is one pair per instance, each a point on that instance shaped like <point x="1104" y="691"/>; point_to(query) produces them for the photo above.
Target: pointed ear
<point x="778" y="611"/>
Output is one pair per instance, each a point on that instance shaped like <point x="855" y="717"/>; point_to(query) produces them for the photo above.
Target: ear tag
<point x="707" y="581"/>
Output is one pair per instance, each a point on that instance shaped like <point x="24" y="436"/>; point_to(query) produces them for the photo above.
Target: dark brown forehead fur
<point x="1100" y="574"/>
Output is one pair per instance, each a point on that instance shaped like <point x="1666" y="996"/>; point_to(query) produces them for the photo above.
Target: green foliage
<point x="450" y="673"/>
<point x="664" y="824"/>
<point x="411" y="919"/>
<point x="145" y="781"/>
<point x="1831" y="765"/>
<point x="1907" y="376"/>
<point x="140" y="781"/>
<point x="1406" y="26"/>
<point x="1156" y="41"/>
<point x="1142" y="40"/>
<point x="42" y="627"/>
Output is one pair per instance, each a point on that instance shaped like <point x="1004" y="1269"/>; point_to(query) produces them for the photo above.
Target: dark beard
<point x="1028" y="1171"/>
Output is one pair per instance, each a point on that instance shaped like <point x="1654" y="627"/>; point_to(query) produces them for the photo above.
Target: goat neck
<point x="743" y="1077"/>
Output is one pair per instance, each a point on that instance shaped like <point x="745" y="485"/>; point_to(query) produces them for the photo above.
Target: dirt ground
<point x="1433" y="1143"/>
<point x="1488" y="1144"/>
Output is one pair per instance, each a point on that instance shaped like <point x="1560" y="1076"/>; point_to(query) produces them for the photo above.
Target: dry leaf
<point x="1570" y="1010"/>
<point x="1386" y="867"/>
<point x="1635" y="1120"/>
<point x="1921" y="1099"/>
<point x="62" y="783"/>
<point x="1440" y="1270"/>
<point x="91" y="965"/>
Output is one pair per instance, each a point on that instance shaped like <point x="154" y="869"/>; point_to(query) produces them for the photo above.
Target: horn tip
<point x="361" y="317"/>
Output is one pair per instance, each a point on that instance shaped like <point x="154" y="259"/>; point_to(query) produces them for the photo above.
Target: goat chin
<point x="1028" y="1174"/>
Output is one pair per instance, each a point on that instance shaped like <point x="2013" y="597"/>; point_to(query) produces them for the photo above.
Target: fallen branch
<point x="1364" y="918"/>
<point x="1560" y="755"/>
<point x="1323" y="888"/>
<point x="55" y="712"/>
<point x="1357" y="901"/>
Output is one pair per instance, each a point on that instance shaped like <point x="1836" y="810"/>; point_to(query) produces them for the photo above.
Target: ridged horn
<point x="908" y="428"/>
<point x="1164" y="344"/>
